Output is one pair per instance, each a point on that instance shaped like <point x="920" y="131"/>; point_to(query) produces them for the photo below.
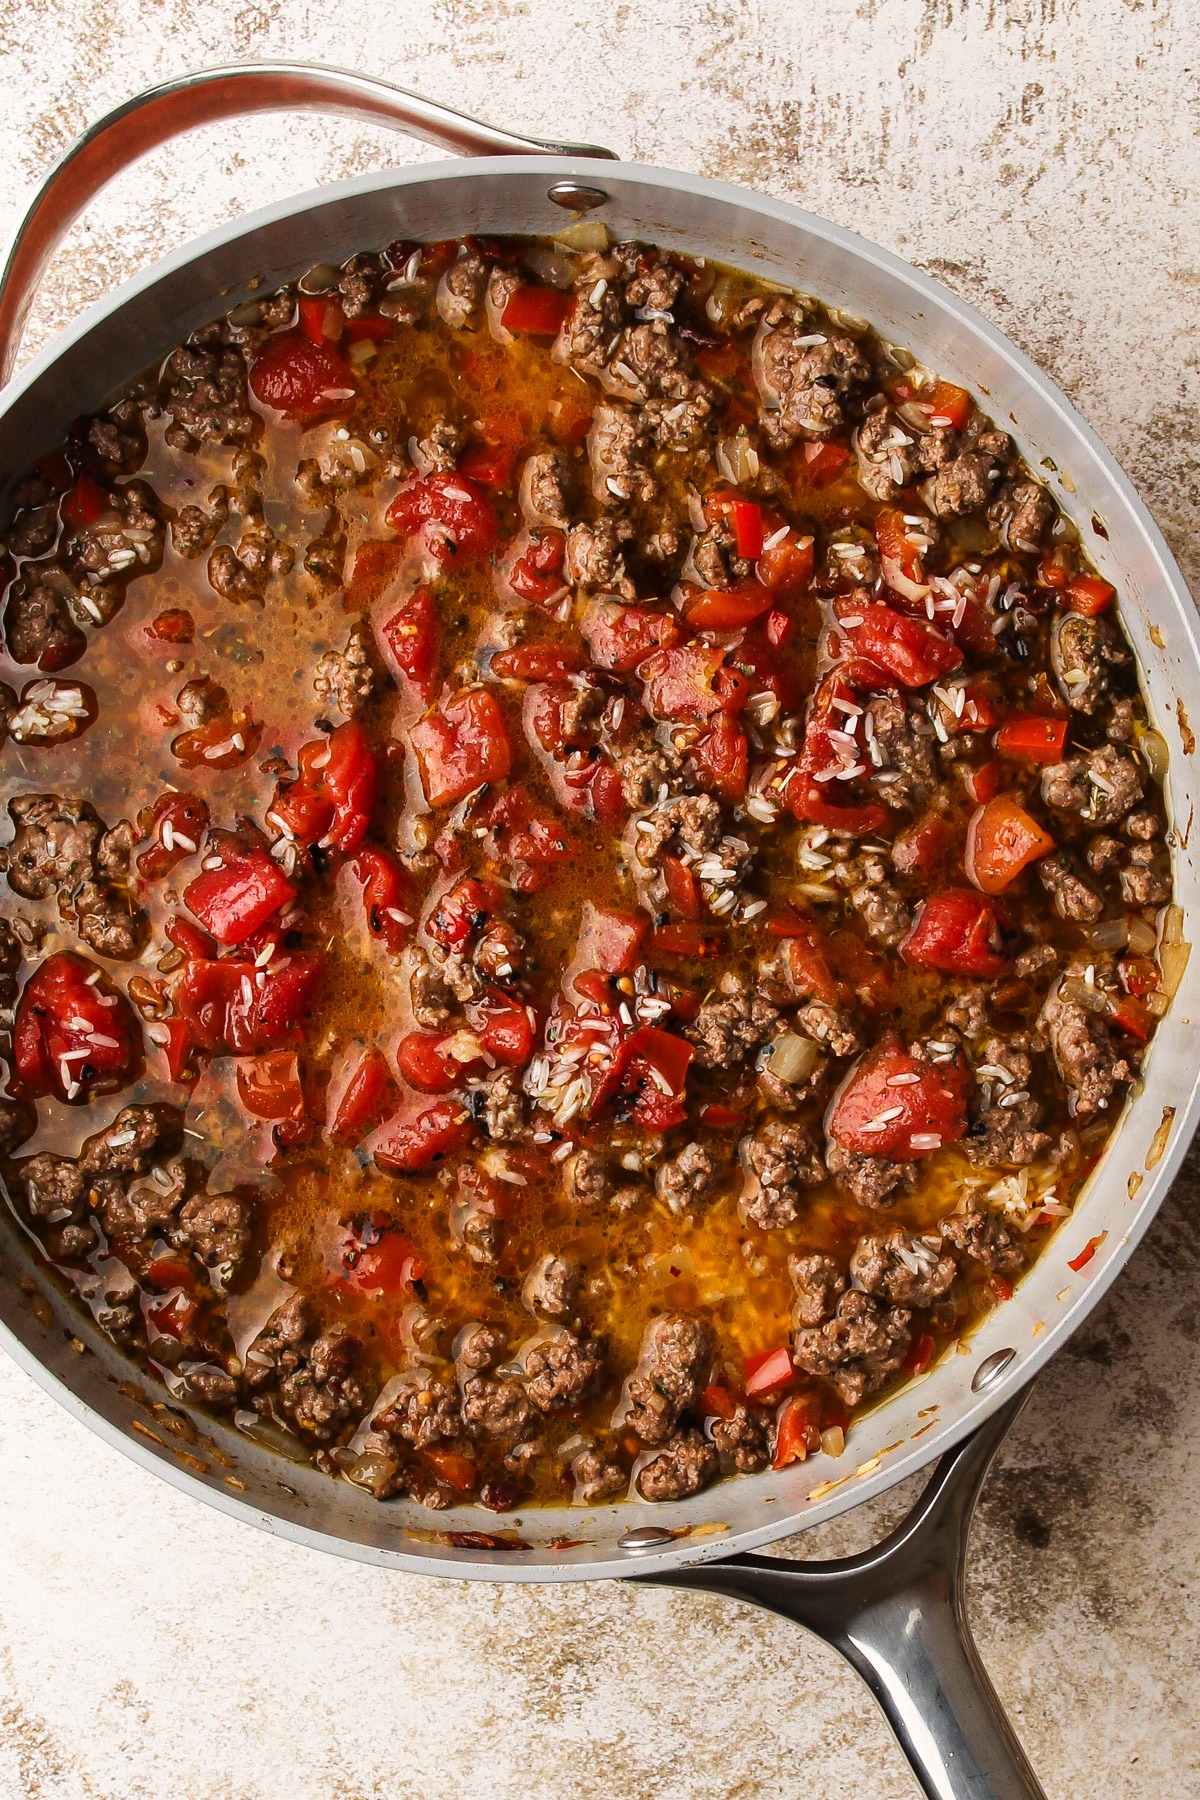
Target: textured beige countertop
<point x="1040" y="157"/>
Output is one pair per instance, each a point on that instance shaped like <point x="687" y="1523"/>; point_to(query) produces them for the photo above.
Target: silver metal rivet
<point x="645" y="1537"/>
<point x="991" y="1369"/>
<point x="575" y="196"/>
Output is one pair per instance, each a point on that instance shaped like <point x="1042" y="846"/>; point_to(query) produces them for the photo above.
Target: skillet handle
<point x="897" y="1613"/>
<point x="172" y="107"/>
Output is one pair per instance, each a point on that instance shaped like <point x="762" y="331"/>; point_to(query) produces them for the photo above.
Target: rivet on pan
<point x="991" y="1369"/>
<point x="644" y="1537"/>
<point x="574" y="196"/>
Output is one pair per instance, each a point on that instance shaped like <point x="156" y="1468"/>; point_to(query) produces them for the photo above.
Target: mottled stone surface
<point x="1041" y="159"/>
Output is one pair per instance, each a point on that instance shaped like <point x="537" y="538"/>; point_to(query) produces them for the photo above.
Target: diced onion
<point x="793" y="1058"/>
<point x="1143" y="940"/>
<point x="833" y="1440"/>
<point x="737" y="459"/>
<point x="1172" y="928"/>
<point x="1082" y="993"/>
<point x="587" y="234"/>
<point x="717" y="302"/>
<point x="322" y="278"/>
<point x="1173" y="961"/>
<point x="552" y="264"/>
<point x="1110" y="934"/>
<point x="1153" y="746"/>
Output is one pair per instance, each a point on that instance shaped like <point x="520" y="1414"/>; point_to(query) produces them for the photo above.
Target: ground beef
<point x="819" y="1285"/>
<point x="1083" y="654"/>
<point x="858" y="1348"/>
<point x="1004" y="1126"/>
<point x="202" y="700"/>
<point x="204" y="396"/>
<point x="429" y="994"/>
<point x="904" y="753"/>
<point x="501" y="1109"/>
<point x="126" y="539"/>
<point x="461" y="289"/>
<point x="481" y="1346"/>
<point x="360" y="284"/>
<point x="1104" y="853"/>
<point x="38" y="627"/>
<point x="551" y="1287"/>
<point x="803" y="384"/>
<point x="1087" y="1058"/>
<point x="1100" y="785"/>
<point x="672" y="1371"/>
<point x="617" y="452"/>
<point x="55" y="1189"/>
<point x="195" y="528"/>
<point x="902" y="1269"/>
<point x="832" y="1026"/>
<point x="1146" y="878"/>
<point x="63" y="848"/>
<point x="685" y="1181"/>
<point x="211" y="1387"/>
<point x="871" y="1180"/>
<point x="440" y="448"/>
<point x="589" y="1177"/>
<point x="891" y="453"/>
<point x="1022" y="515"/>
<point x="215" y="1228"/>
<point x="597" y="1477"/>
<point x="149" y="1207"/>
<point x="690" y="823"/>
<point x="131" y="1143"/>
<point x="309" y="1380"/>
<point x="986" y="1239"/>
<point x="783" y="1158"/>
<point x="241" y="575"/>
<point x="494" y="1407"/>
<point x="882" y="910"/>
<point x="589" y="329"/>
<point x="547" y="488"/>
<point x="594" y="559"/>
<point x="1074" y="898"/>
<point x="421" y="1414"/>
<point x="745" y="1440"/>
<point x="345" y="678"/>
<point x="1035" y="961"/>
<point x="968" y="482"/>
<point x="732" y="1024"/>
<point x="18" y="1122"/>
<point x="715" y="557"/>
<point x="109" y="922"/>
<point x="563" y="1371"/>
<point x="683" y="1466"/>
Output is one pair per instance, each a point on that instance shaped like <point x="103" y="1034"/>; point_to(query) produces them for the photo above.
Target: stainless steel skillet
<point x="897" y="1613"/>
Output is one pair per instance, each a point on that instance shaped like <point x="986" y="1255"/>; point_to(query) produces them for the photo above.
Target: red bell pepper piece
<point x="460" y="745"/>
<point x="409" y="1143"/>
<point x="1002" y="840"/>
<point x="958" y="932"/>
<point x="232" y="902"/>
<point x="818" y="464"/>
<point x="1032" y="738"/>
<point x="798" y="1435"/>
<point x="321" y="319"/>
<point x="538" y="310"/>
<point x="409" y="639"/>
<point x="768" y="1371"/>
<point x="1089" y="594"/>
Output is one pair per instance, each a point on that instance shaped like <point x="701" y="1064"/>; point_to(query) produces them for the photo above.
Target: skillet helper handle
<point x="172" y="107"/>
<point x="897" y="1613"/>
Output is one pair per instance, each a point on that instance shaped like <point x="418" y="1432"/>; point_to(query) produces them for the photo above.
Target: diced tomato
<point x="819" y="463"/>
<point x="983" y="782"/>
<point x="798" y="1435"/>
<point x="174" y="625"/>
<point x="806" y="793"/>
<point x="778" y="627"/>
<point x="302" y="380"/>
<point x="463" y="911"/>
<point x="371" y="328"/>
<point x="175" y="827"/>
<point x="507" y="1029"/>
<point x="351" y="778"/>
<point x="879" y="1110"/>
<point x="172" y="1316"/>
<point x="410" y="640"/>
<point x="189" y="938"/>
<point x="1086" y="1254"/>
<point x="387" y="895"/>
<point x="855" y="819"/>
<point x="361" y="1090"/>
<point x="1089" y="594"/>
<point x="717" y="1403"/>
<point x="536" y="662"/>
<point x="460" y="745"/>
<point x="958" y="932"/>
<point x="720" y="362"/>
<point x="376" y="1258"/>
<point x="168" y="1272"/>
<point x="683" y="891"/>
<point x="83" y="504"/>
<point x="537" y="574"/>
<point x="321" y="319"/>
<point x="415" y="1141"/>
<point x="769" y="1371"/>
<point x="491" y="465"/>
<point x="723" y="1118"/>
<point x="539" y="310"/>
<point x="177" y="1050"/>
<point x="529" y="836"/>
<point x="452" y="512"/>
<point x="911" y="651"/>
<point x="1139" y="975"/>
<point x="608" y="940"/>
<point x="654" y="1066"/>
<point x="451" y="1466"/>
<point x="231" y="1006"/>
<point x="74" y="1033"/>
<point x="745" y="518"/>
<point x="947" y="405"/>
<point x="569" y="416"/>
<point x="1032" y="738"/>
<point x="1002" y="840"/>
<point x="920" y="846"/>
<point x="1133" y="1017"/>
<point x="898" y="553"/>
<point x="620" y="637"/>
<point x="727" y="609"/>
<point x="1054" y="570"/>
<point x="422" y="1060"/>
<point x="979" y="711"/>
<point x="920" y="1354"/>
<point x="221" y="744"/>
<point x="269" y="1086"/>
<point x="233" y="901"/>
<point x="687" y="940"/>
<point x="692" y="681"/>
